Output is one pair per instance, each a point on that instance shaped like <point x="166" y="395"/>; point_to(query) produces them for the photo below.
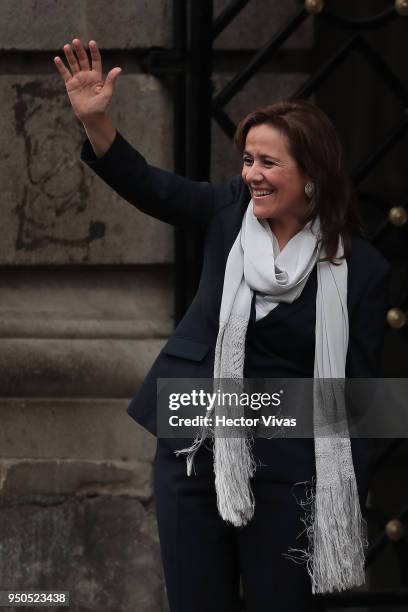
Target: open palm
<point x="89" y="94"/>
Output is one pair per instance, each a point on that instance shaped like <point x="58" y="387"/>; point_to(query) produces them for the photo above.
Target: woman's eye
<point x="267" y="162"/>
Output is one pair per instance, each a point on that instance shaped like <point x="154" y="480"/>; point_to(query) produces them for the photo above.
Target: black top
<point x="282" y="344"/>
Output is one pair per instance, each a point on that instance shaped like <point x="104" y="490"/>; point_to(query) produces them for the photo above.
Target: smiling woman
<point x="292" y="150"/>
<point x="288" y="289"/>
<point x="276" y="182"/>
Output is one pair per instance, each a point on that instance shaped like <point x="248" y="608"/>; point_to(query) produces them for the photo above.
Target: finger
<point x="81" y="54"/>
<point x="62" y="69"/>
<point x="112" y="76"/>
<point x="72" y="60"/>
<point x="95" y="57"/>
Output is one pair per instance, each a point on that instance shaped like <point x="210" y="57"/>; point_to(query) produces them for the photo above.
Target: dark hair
<point x="316" y="148"/>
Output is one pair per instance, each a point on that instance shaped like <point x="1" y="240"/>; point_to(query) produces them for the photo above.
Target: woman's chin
<point x="261" y="212"/>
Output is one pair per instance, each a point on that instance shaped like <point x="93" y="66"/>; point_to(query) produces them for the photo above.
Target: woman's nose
<point x="254" y="174"/>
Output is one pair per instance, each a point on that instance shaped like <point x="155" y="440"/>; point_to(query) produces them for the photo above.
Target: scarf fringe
<point x="337" y="537"/>
<point x="191" y="451"/>
<point x="235" y="499"/>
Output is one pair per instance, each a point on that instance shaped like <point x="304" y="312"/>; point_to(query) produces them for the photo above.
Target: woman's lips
<point x="261" y="193"/>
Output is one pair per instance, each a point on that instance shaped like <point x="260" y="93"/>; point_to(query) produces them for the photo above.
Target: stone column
<point x="85" y="306"/>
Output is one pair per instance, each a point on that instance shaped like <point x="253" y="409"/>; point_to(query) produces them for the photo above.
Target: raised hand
<point x="89" y="94"/>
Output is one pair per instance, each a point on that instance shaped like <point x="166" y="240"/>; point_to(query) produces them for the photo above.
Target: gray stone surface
<point x="54" y="209"/>
<point x="258" y="21"/>
<point x="261" y="90"/>
<point x="48" y="24"/>
<point x="67" y="429"/>
<point x="28" y="477"/>
<point x="103" y="550"/>
<point x="93" y="303"/>
<point x="74" y="368"/>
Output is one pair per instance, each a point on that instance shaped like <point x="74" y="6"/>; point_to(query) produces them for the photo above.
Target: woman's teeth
<point x="261" y="194"/>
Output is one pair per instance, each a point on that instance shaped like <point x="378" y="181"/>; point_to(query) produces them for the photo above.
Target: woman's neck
<point x="285" y="231"/>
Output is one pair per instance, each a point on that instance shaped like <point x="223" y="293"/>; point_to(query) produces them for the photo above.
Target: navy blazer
<point x="217" y="212"/>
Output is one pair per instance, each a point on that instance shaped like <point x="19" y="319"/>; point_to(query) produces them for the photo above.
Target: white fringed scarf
<point x="334" y="525"/>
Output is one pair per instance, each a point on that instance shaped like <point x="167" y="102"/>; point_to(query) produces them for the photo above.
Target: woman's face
<point x="276" y="184"/>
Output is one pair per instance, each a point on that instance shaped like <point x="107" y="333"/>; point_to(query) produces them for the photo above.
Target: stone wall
<point x="85" y="306"/>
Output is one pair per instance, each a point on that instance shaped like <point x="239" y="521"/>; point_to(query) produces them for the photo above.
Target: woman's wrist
<point x="101" y="133"/>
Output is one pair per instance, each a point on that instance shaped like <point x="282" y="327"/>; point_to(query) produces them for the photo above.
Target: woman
<point x="288" y="289"/>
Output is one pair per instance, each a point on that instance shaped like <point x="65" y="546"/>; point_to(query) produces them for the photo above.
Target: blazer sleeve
<point x="367" y="328"/>
<point x="164" y="195"/>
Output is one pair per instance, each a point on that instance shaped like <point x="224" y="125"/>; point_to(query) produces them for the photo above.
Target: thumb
<point x="111" y="78"/>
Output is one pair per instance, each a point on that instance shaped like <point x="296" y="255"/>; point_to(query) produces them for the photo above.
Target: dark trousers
<point x="204" y="558"/>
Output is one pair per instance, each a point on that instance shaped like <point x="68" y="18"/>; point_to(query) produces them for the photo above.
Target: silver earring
<point x="309" y="189"/>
